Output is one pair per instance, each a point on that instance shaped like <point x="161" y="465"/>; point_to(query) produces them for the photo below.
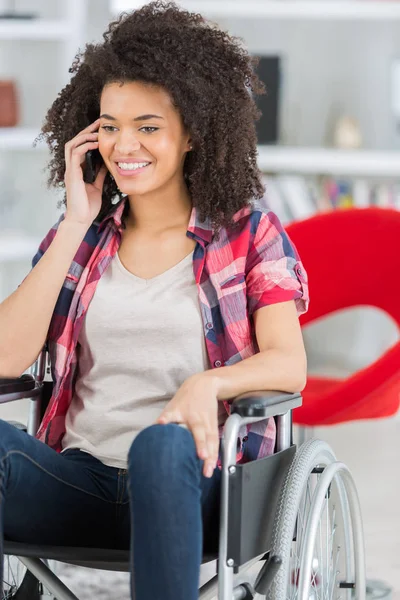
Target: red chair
<point x="353" y="259"/>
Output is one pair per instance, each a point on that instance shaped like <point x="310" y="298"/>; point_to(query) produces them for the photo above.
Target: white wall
<point x="329" y="67"/>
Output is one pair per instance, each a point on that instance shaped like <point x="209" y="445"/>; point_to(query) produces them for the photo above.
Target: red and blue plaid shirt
<point x="246" y="269"/>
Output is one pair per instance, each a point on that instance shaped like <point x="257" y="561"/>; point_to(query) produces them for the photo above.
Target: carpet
<point x="93" y="584"/>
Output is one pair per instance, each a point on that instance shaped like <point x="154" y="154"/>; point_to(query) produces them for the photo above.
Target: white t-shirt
<point x="141" y="339"/>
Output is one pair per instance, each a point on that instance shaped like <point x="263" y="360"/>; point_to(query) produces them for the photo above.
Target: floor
<point x="371" y="451"/>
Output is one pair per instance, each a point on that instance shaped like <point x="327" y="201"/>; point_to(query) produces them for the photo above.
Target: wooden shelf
<point x="362" y="10"/>
<point x="16" y="245"/>
<point x="367" y="163"/>
<point x="19" y="138"/>
<point x="34" y="29"/>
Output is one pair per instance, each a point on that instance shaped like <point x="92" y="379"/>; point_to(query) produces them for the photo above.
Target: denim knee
<point x="165" y="449"/>
<point x="8" y="436"/>
<point x="10" y="439"/>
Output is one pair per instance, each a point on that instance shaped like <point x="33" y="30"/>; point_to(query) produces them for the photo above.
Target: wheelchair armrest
<point x="265" y="403"/>
<point x="16" y="388"/>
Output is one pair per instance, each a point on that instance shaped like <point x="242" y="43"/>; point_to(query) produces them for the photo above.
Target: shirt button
<point x="209" y="325"/>
<point x="217" y="363"/>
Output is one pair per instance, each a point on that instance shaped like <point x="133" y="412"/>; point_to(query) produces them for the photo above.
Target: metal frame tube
<point x="38" y="370"/>
<point x="229" y="448"/>
<point x="33" y="417"/>
<point x="48" y="578"/>
<point x="284" y="431"/>
<point x="225" y="572"/>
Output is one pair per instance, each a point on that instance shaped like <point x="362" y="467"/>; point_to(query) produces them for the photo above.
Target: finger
<point x="77" y="142"/>
<point x="77" y="160"/>
<point x="164" y="418"/>
<point x="92" y="126"/>
<point x="209" y="468"/>
<point x="169" y="417"/>
<point x="213" y="446"/>
<point x="80" y="139"/>
<point x="101" y="175"/>
<point x="78" y="155"/>
<point x="200" y="438"/>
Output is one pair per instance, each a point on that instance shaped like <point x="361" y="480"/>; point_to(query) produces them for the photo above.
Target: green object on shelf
<point x="11" y="16"/>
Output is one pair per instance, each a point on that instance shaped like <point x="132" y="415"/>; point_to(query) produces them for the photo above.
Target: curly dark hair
<point x="211" y="79"/>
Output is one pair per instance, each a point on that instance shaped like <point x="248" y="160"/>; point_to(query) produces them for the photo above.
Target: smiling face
<point x="141" y="137"/>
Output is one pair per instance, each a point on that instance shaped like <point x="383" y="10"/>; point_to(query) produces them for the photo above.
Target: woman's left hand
<point x="195" y="405"/>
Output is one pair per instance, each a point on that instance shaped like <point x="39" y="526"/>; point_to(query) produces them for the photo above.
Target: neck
<point x="160" y="210"/>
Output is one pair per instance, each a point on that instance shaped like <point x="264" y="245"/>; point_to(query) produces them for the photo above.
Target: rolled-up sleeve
<point x="274" y="272"/>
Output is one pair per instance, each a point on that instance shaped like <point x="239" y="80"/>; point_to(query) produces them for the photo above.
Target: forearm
<point x="26" y="314"/>
<point x="268" y="370"/>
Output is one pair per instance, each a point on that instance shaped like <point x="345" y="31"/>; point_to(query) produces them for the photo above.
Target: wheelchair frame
<point x="249" y="492"/>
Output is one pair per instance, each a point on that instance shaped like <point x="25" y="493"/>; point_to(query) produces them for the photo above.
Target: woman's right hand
<point x="83" y="199"/>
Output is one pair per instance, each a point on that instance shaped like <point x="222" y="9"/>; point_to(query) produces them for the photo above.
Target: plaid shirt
<point x="255" y="266"/>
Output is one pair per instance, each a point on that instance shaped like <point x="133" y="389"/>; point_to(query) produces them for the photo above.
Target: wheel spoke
<point x="13" y="574"/>
<point x="328" y="545"/>
<point x="320" y="563"/>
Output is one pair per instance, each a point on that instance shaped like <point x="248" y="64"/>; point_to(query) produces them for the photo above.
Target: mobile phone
<point x="92" y="164"/>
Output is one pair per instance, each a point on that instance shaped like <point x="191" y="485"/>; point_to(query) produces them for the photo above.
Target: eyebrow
<point x="141" y="118"/>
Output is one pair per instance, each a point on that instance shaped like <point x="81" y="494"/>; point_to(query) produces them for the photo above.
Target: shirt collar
<point x="200" y="230"/>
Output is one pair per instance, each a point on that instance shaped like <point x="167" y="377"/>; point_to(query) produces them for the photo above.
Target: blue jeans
<point x="162" y="508"/>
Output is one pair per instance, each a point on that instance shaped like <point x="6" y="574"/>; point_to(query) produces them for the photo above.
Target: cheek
<point x="166" y="151"/>
<point x="167" y="143"/>
<point x="163" y="144"/>
<point x="105" y="147"/>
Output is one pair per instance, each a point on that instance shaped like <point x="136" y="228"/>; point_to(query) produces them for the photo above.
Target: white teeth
<point x="132" y="166"/>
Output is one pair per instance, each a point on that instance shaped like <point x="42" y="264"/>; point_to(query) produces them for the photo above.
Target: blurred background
<point x="329" y="139"/>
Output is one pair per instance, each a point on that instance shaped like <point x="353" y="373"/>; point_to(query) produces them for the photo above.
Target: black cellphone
<point x="92" y="166"/>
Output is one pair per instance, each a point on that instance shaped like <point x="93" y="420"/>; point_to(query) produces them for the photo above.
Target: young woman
<point x="164" y="291"/>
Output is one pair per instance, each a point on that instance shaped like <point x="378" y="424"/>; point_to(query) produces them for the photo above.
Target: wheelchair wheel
<point x="318" y="531"/>
<point x="18" y="582"/>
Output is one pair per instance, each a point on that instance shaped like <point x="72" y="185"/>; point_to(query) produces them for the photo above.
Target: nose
<point x="127" y="143"/>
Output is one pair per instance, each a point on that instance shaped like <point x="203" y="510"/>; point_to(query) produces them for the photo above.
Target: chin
<point x="134" y="187"/>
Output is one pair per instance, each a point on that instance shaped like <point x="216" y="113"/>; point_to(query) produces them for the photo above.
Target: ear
<point x="189" y="145"/>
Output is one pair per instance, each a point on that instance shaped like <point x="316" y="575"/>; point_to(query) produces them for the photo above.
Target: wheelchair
<point x="294" y="516"/>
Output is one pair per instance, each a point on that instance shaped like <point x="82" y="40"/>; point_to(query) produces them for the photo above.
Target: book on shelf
<point x="294" y="198"/>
